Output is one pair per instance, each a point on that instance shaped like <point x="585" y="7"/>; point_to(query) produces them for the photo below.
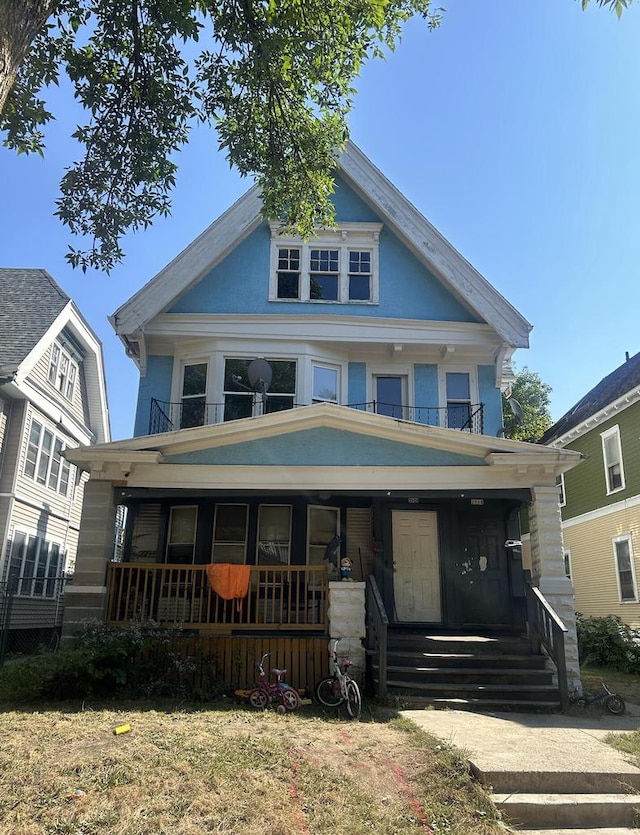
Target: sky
<point x="514" y="129"/>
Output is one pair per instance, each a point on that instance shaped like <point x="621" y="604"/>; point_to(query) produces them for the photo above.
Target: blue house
<point x="302" y="403"/>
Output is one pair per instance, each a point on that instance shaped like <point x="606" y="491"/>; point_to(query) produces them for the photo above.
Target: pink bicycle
<point x="277" y="692"/>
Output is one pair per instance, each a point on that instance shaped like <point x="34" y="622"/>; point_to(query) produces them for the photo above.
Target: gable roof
<point x="396" y="212"/>
<point x="624" y="382"/>
<point x="31" y="302"/>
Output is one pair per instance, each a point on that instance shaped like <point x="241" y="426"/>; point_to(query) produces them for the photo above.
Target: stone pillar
<point x="547" y="570"/>
<point x="85" y="596"/>
<point x="347" y="622"/>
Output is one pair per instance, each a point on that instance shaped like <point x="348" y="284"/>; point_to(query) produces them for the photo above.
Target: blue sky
<point x="514" y="129"/>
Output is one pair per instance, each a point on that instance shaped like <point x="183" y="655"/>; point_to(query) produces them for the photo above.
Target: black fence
<point x="31" y="610"/>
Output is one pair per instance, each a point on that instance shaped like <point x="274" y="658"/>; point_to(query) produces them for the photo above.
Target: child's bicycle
<point x="284" y="696"/>
<point x="612" y="701"/>
<point x="339" y="688"/>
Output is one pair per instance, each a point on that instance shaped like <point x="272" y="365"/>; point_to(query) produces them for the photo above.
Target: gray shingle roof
<point x="30" y="300"/>
<point x="613" y="386"/>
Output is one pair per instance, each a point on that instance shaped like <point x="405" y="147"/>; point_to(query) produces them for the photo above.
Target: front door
<point x="416" y="565"/>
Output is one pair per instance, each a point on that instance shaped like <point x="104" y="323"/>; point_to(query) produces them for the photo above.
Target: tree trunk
<point x="20" y="21"/>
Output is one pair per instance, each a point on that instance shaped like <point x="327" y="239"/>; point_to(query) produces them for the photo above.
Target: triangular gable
<point x="396" y="212"/>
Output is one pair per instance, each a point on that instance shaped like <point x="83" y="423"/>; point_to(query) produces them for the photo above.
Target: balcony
<point x="291" y="599"/>
<point x="169" y="417"/>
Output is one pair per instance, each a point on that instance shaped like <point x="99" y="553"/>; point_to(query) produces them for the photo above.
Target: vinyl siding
<point x="77" y="406"/>
<point x="35" y="612"/>
<point x="585" y="486"/>
<point x="593" y="564"/>
<point x="13" y="446"/>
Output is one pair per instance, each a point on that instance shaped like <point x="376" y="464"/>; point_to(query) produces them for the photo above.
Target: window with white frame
<point x="339" y="266"/>
<point x="230" y="533"/>
<point x="612" y="458"/>
<point x="194" y="395"/>
<point x="625" y="569"/>
<point x="326" y="383"/>
<point x="323" y="523"/>
<point x="63" y="370"/>
<point x="274" y="534"/>
<point x="566" y="556"/>
<point x="458" y="391"/>
<point x="181" y="541"/>
<point x="562" y="496"/>
<point x="36" y="565"/>
<point x="44" y="462"/>
<point x="240" y="401"/>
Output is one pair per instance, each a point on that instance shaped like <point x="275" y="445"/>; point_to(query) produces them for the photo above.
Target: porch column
<point x="547" y="569"/>
<point x="85" y="596"/>
<point x="347" y="622"/>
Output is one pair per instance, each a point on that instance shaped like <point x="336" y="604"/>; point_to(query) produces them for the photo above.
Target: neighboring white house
<point x="52" y="397"/>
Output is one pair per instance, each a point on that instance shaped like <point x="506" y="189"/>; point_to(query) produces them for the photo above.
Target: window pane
<point x="53" y="367"/>
<point x="323" y="526"/>
<point x="192" y="412"/>
<point x="276" y="403"/>
<point x="71" y="382"/>
<point x="458" y="416"/>
<point x="359" y="288"/>
<point x="325" y="383"/>
<point x="195" y="380"/>
<point x="55" y="465"/>
<point x="284" y="377"/>
<point x="32" y="449"/>
<point x="288" y="286"/>
<point x="289" y="259"/>
<point x="45" y="456"/>
<point x="324" y="260"/>
<point x="230" y="533"/>
<point x="182" y="534"/>
<point x="323" y="287"/>
<point x="64" y="477"/>
<point x="274" y="523"/>
<point x="458" y="387"/>
<point x="625" y="574"/>
<point x="359" y="262"/>
<point x="389" y="396"/>
<point x="237" y="406"/>
<point x="17" y="554"/>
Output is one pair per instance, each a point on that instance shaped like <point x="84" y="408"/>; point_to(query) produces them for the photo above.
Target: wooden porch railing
<point x="377" y="623"/>
<point x="546" y="628"/>
<point x="292" y="598"/>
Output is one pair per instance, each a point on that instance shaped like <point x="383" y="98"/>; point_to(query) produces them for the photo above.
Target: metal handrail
<point x="377" y="628"/>
<point x="547" y="629"/>
<point x="165" y="416"/>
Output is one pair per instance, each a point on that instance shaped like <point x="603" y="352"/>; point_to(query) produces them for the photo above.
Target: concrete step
<point x="568" y="810"/>
<point x="480" y="704"/>
<point x="558" y="782"/>
<point x="465" y="659"/>
<point x="469" y="675"/>
<point x="474" y="690"/>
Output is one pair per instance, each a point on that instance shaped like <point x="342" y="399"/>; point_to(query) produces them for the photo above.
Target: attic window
<point x="337" y="266"/>
<point x="63" y="371"/>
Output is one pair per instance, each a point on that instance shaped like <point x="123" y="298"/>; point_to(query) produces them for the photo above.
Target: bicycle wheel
<point x="290" y="698"/>
<point x="615" y="704"/>
<point x="354" y="700"/>
<point x="328" y="692"/>
<point x="258" y="699"/>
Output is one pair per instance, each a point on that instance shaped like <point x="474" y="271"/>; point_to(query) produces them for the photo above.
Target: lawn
<point x="223" y="768"/>
<point x="626" y="685"/>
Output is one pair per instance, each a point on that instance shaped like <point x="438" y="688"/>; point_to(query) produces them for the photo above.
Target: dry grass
<point x="226" y="769"/>
<point x="626" y="684"/>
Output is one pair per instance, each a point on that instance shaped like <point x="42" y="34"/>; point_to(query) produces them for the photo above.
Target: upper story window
<point x="326" y="383"/>
<point x="612" y="457"/>
<point x="44" y="462"/>
<point x="63" y="371"/>
<point x="338" y="265"/>
<point x="241" y="401"/>
<point x="194" y="395"/>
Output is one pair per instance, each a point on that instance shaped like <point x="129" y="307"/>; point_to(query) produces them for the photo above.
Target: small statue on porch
<point x="345" y="569"/>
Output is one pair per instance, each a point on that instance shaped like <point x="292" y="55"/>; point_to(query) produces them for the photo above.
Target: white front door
<point x="416" y="563"/>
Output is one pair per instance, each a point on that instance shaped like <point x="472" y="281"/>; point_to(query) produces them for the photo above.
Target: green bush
<point x="608" y="642"/>
<point x="131" y="661"/>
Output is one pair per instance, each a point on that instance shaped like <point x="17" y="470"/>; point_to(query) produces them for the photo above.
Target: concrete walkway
<point x="547" y="770"/>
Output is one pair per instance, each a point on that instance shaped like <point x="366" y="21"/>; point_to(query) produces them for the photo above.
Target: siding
<point x="593" y="564"/>
<point x="77" y="406"/>
<point x="13" y="445"/>
<point x="585" y="486"/>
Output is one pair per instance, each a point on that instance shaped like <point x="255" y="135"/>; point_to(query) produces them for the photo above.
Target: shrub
<point x="131" y="661"/>
<point x="608" y="642"/>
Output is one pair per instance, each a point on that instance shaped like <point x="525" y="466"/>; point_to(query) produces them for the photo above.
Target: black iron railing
<point x="165" y="416"/>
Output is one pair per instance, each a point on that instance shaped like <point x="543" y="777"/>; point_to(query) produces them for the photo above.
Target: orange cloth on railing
<point x="229" y="581"/>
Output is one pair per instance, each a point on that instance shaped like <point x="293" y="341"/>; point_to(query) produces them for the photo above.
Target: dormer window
<point x="337" y="266"/>
<point x="63" y="371"/>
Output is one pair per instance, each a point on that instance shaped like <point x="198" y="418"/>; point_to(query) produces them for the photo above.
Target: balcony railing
<point x="169" y="417"/>
<point x="292" y="598"/>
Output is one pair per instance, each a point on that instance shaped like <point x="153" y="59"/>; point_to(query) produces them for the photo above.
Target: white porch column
<point x="85" y="596"/>
<point x="547" y="569"/>
<point x="347" y="622"/>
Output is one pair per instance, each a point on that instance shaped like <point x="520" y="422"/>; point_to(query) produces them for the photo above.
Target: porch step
<point x="490" y="671"/>
<point x="544" y="811"/>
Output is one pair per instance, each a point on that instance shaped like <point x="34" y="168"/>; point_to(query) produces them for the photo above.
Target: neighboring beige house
<point x="600" y="499"/>
<point x="52" y="397"/>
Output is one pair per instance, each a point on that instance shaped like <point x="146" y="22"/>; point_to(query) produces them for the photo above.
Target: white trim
<point x="613" y="432"/>
<point x="595" y="420"/>
<point x="195" y="531"/>
<point x="327" y="366"/>
<point x="443" y="370"/>
<point x="562" y="490"/>
<point x="625" y="537"/>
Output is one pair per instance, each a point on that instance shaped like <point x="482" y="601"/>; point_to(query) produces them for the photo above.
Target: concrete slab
<point x="509" y="744"/>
